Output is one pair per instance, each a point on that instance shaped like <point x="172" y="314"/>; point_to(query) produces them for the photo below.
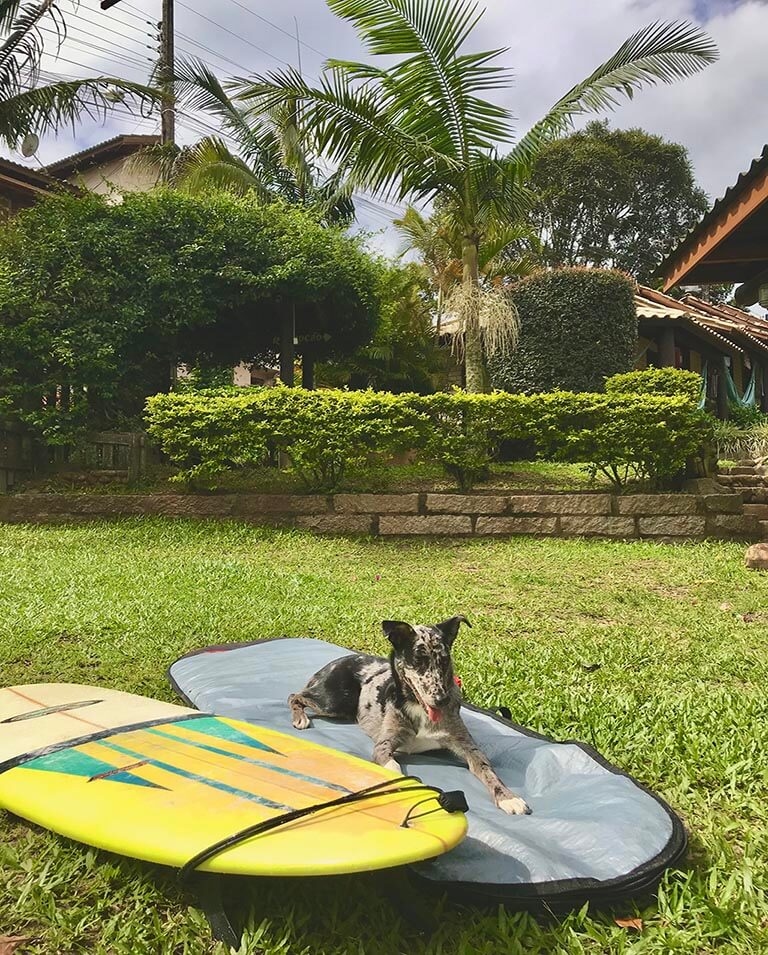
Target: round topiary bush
<point x="577" y="327"/>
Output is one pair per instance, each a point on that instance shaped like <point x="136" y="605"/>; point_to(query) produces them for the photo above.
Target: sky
<point x="719" y="115"/>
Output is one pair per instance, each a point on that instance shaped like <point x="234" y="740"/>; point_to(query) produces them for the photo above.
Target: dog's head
<point x="421" y="657"/>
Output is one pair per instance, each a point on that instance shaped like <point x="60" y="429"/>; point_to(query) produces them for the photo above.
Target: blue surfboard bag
<point x="595" y="834"/>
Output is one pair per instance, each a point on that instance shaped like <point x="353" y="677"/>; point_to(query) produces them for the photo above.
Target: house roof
<point x="27" y="180"/>
<point x="115" y="148"/>
<point x="725" y="327"/>
<point x="730" y="243"/>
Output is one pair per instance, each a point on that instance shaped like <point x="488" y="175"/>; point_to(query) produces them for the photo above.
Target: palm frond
<point x="21" y="50"/>
<point x="661" y="52"/>
<point x="353" y="128"/>
<point x="429" y="35"/>
<point x="158" y="159"/>
<point x="210" y="164"/>
<point x="198" y="87"/>
<point x="48" y="107"/>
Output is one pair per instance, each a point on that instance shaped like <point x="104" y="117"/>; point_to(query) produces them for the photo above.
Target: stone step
<point x="764" y="528"/>
<point x="742" y="480"/>
<point x="755" y="495"/>
<point x="760" y="511"/>
<point x="743" y="469"/>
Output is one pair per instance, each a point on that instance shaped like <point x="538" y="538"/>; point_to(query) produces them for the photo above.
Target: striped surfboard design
<point x="161" y="782"/>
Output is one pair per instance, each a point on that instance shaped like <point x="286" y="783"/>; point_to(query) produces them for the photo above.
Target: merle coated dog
<point x="409" y="703"/>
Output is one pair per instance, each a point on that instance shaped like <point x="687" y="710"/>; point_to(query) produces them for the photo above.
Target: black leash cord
<point x="379" y="789"/>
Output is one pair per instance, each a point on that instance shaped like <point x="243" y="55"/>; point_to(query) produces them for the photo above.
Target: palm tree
<point x="25" y="107"/>
<point x="510" y="251"/>
<point x="269" y="159"/>
<point x="419" y="128"/>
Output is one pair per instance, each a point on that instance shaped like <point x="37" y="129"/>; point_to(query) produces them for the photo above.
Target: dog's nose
<point x="442" y="702"/>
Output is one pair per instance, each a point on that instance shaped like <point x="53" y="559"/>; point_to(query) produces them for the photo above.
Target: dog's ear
<point x="399" y="634"/>
<point x="449" y="628"/>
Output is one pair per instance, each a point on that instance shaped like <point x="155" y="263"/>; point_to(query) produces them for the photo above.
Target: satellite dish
<point x="29" y="145"/>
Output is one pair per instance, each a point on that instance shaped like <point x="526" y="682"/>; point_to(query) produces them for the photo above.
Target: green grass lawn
<point x="679" y="700"/>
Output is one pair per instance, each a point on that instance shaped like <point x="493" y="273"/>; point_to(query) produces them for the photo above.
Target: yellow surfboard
<point x="163" y="783"/>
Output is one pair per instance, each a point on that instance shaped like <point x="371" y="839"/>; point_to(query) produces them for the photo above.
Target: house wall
<point x="115" y="177"/>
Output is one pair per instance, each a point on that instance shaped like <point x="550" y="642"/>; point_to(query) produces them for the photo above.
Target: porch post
<point x="722" y="391"/>
<point x="667" y="348"/>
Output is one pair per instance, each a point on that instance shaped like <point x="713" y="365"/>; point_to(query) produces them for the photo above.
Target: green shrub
<point x="460" y="436"/>
<point x="657" y="381"/>
<point x="325" y="433"/>
<point x="734" y="442"/>
<point x="745" y="416"/>
<point x="642" y="437"/>
<point x="207" y="432"/>
<point x="577" y="327"/>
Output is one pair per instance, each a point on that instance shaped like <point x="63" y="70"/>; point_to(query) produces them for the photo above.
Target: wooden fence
<point x="119" y="454"/>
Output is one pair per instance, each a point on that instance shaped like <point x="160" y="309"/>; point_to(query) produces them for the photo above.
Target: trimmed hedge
<point x="577" y="327"/>
<point x="657" y="381"/>
<point x="325" y="433"/>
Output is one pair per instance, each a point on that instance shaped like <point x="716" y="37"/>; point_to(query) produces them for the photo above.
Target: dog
<point x="409" y="703"/>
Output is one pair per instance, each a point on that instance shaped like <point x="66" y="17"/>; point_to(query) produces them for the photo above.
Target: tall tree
<point x="27" y="108"/>
<point x="419" y="128"/>
<point x="613" y="199"/>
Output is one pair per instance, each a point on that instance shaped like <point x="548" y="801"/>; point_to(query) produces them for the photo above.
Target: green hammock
<point x="747" y="400"/>
<point x="703" y="394"/>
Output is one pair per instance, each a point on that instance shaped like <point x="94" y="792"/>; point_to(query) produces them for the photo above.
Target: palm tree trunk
<point x="474" y="367"/>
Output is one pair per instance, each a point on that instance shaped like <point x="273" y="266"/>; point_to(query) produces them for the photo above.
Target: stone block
<point x="723" y="503"/>
<point x="560" y="504"/>
<point x="438" y="525"/>
<point x="336" y="523"/>
<point x="760" y="511"/>
<point x="657" y="504"/>
<point x="672" y="526"/>
<point x="466" y="504"/>
<point x="181" y="505"/>
<point x="598" y="526"/>
<point x="253" y="505"/>
<point x="733" y="525"/>
<point x="376" y="503"/>
<point x="516" y="525"/>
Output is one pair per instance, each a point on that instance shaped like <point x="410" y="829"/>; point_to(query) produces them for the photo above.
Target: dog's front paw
<point x="514" y="806"/>
<point x="301" y="722"/>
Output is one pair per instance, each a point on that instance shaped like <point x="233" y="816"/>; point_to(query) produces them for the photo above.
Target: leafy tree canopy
<point x="613" y="198"/>
<point x="98" y="301"/>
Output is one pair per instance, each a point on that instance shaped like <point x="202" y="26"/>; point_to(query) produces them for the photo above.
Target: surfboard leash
<point x="448" y="801"/>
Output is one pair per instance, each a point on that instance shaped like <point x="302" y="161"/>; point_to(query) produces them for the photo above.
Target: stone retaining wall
<point x="652" y="516"/>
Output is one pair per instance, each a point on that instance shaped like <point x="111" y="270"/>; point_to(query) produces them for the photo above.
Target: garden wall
<point x="653" y="516"/>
